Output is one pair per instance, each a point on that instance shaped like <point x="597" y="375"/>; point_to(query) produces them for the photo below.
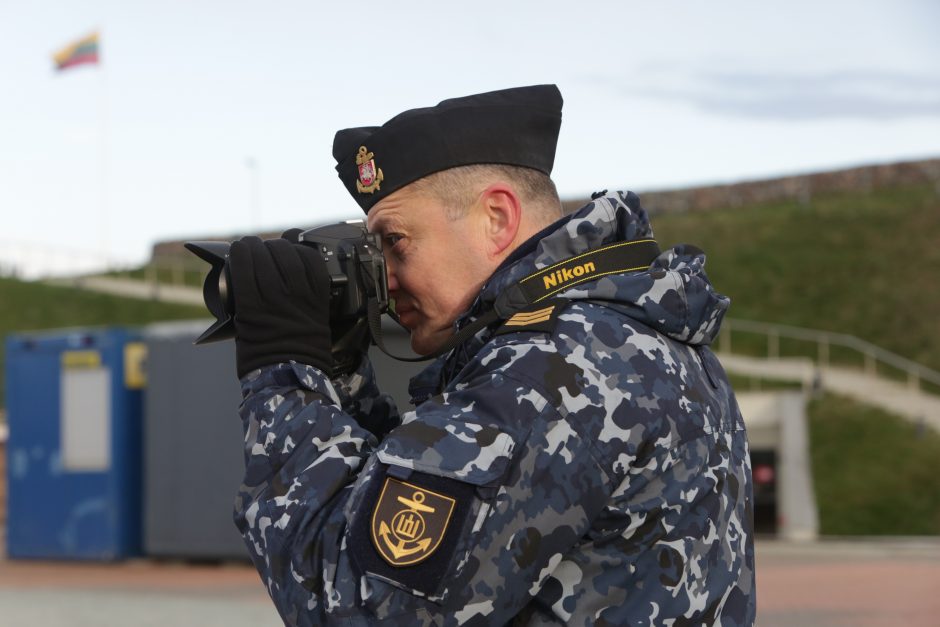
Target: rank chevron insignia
<point x="531" y="317"/>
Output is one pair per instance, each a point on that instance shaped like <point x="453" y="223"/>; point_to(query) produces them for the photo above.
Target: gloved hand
<point x="349" y="339"/>
<point x="282" y="309"/>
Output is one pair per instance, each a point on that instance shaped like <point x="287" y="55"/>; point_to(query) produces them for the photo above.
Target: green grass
<point x="866" y="264"/>
<point x="28" y="306"/>
<point x="874" y="473"/>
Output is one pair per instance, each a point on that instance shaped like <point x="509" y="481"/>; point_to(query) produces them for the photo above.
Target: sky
<point x="217" y="117"/>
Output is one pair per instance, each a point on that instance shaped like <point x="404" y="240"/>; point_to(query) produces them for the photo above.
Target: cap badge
<point x="408" y="522"/>
<point x="370" y="177"/>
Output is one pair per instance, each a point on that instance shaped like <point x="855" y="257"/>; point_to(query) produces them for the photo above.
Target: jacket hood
<point x="674" y="296"/>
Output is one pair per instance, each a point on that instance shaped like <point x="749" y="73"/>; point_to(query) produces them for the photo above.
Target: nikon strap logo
<point x="615" y="259"/>
<point x="566" y="275"/>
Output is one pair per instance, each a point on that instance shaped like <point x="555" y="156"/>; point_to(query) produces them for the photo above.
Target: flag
<point x="85" y="50"/>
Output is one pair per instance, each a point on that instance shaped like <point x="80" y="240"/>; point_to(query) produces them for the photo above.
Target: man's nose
<point x="390" y="276"/>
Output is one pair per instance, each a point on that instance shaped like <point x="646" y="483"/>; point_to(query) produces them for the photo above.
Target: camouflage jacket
<point x="594" y="472"/>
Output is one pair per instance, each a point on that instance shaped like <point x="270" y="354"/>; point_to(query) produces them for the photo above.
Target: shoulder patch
<point x="409" y="522"/>
<point x="539" y="317"/>
<point x="410" y="526"/>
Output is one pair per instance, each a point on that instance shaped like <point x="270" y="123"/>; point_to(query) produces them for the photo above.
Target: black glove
<point x="282" y="304"/>
<point x="349" y="339"/>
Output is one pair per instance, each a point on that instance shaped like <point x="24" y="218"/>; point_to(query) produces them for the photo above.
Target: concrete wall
<point x="800" y="188"/>
<point x="777" y="421"/>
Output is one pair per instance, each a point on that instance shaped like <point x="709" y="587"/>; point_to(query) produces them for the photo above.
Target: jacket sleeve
<point x="302" y="452"/>
<point x="360" y="397"/>
<point x="494" y="483"/>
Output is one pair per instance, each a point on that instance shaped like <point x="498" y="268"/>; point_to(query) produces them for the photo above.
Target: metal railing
<point x="183" y="271"/>
<point x="825" y="340"/>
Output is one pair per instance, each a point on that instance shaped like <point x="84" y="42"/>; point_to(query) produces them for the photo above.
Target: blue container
<point x="73" y="455"/>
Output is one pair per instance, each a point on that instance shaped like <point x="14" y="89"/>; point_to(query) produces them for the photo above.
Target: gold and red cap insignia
<point x="370" y="176"/>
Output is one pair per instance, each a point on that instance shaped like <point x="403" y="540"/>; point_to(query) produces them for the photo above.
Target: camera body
<point x="356" y="266"/>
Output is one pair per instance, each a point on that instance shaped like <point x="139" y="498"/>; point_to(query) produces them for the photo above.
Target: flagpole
<point x="252" y="164"/>
<point x="104" y="233"/>
<point x="80" y="52"/>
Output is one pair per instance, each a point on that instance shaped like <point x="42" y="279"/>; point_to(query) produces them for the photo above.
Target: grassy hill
<point x="866" y="264"/>
<point x="863" y="263"/>
<point x="27" y="306"/>
<point x="873" y="473"/>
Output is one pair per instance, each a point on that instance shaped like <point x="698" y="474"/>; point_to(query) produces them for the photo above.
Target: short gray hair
<point x="457" y="189"/>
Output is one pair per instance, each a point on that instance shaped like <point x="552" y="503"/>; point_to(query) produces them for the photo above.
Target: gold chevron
<point x="531" y="317"/>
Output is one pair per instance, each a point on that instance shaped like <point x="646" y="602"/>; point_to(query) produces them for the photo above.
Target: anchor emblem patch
<point x="408" y="522"/>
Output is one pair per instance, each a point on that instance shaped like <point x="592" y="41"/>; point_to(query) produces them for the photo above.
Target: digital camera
<point x="356" y="266"/>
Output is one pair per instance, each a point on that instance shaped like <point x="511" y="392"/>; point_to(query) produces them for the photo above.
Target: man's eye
<point x="393" y="238"/>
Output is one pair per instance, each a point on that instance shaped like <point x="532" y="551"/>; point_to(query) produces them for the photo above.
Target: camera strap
<point x="539" y="286"/>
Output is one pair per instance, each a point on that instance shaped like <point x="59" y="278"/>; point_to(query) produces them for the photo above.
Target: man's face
<point x="435" y="265"/>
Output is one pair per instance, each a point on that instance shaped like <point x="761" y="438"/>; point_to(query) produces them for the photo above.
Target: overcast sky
<point x="157" y="142"/>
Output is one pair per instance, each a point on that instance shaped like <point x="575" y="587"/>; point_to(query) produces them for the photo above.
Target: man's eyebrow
<point x="384" y="224"/>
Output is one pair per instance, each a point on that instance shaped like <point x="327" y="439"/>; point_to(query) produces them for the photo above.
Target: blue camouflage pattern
<point x="607" y="461"/>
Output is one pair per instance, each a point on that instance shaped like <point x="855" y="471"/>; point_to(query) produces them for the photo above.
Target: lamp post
<point x="252" y="166"/>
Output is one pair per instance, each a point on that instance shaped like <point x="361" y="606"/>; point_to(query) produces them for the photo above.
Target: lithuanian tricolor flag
<point x="85" y="50"/>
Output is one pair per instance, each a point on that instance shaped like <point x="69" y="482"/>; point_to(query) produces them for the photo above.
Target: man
<point x="577" y="457"/>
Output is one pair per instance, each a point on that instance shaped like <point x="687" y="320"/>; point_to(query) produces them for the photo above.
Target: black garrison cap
<point x="516" y="126"/>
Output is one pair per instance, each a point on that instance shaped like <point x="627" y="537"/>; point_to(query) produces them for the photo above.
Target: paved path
<point x="824" y="584"/>
<point x="849" y="583"/>
<point x="135" y="593"/>
<point x="897" y="398"/>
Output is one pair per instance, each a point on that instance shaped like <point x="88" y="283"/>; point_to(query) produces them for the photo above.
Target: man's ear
<point x="502" y="217"/>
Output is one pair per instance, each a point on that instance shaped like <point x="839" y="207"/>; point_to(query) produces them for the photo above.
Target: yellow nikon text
<point x="562" y="276"/>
